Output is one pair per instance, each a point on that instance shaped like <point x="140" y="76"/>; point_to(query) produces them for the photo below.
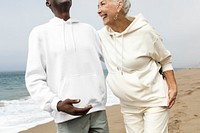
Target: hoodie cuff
<point x="167" y="67"/>
<point x="54" y="103"/>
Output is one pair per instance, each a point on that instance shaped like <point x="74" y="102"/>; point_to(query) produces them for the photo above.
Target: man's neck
<point x="64" y="16"/>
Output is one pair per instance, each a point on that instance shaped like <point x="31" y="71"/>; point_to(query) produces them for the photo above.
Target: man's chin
<point x="64" y="4"/>
<point x="64" y="1"/>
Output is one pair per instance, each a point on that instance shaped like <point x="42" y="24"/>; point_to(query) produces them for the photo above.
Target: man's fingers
<point x="86" y="109"/>
<point x="68" y="107"/>
<point x="72" y="101"/>
<point x="81" y="111"/>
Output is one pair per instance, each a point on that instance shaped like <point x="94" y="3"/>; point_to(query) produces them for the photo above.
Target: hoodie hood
<point x="136" y="24"/>
<point x="71" y="22"/>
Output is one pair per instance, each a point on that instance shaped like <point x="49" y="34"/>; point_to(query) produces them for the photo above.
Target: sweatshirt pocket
<point x="128" y="87"/>
<point x="87" y="88"/>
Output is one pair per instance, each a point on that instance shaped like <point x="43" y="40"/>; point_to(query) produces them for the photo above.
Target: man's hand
<point x="67" y="107"/>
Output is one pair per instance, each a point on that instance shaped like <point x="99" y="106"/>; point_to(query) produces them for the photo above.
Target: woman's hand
<point x="172" y="86"/>
<point x="172" y="93"/>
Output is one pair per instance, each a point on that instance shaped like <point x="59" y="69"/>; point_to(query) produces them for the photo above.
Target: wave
<point x="18" y="115"/>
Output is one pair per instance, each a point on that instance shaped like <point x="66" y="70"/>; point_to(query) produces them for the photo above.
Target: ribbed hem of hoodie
<point x="54" y="103"/>
<point x="62" y="117"/>
<point x="151" y="103"/>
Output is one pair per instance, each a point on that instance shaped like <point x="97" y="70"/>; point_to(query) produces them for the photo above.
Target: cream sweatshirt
<point x="133" y="59"/>
<point x="63" y="63"/>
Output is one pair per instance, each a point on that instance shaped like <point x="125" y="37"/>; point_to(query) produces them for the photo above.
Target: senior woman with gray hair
<point x="134" y="53"/>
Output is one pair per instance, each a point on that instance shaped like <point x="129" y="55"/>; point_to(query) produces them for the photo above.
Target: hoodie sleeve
<point x="36" y="77"/>
<point x="161" y="54"/>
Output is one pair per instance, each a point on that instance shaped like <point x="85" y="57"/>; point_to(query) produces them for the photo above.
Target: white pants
<point x="145" y="119"/>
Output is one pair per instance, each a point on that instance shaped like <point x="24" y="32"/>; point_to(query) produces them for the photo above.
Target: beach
<point x="184" y="116"/>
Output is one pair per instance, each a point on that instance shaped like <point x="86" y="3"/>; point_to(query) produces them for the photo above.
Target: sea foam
<point x="18" y="115"/>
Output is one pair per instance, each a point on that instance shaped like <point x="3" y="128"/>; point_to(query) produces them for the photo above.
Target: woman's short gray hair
<point x="127" y="5"/>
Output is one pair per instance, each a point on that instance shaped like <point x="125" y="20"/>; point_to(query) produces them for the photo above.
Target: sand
<point x="184" y="116"/>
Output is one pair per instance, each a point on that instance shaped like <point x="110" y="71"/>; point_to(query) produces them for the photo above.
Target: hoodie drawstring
<point x="64" y="38"/>
<point x="120" y="68"/>
<point x="72" y="36"/>
<point x="122" y="54"/>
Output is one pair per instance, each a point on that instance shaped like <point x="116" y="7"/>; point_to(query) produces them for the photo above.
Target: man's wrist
<point x="58" y="108"/>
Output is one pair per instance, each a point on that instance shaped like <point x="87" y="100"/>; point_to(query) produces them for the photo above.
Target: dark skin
<point x="61" y="9"/>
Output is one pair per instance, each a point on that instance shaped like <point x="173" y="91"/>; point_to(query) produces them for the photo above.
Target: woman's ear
<point x="48" y="4"/>
<point x="119" y="5"/>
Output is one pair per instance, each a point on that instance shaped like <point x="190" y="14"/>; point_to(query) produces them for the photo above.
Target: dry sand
<point x="184" y="116"/>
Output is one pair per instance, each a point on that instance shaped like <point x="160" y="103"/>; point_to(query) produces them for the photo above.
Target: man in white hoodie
<point x="64" y="73"/>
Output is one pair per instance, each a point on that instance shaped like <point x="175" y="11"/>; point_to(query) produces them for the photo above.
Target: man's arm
<point x="36" y="76"/>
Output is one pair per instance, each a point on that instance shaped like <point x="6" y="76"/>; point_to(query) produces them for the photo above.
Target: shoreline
<point x="184" y="115"/>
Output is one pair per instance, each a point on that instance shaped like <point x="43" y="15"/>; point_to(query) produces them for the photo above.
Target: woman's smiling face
<point x="107" y="10"/>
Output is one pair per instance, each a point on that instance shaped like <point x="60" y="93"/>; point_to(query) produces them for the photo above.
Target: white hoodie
<point x="132" y="60"/>
<point x="63" y="63"/>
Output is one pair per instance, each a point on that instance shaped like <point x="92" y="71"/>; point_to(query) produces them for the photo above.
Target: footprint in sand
<point x="198" y="88"/>
<point x="174" y="124"/>
<point x="189" y="92"/>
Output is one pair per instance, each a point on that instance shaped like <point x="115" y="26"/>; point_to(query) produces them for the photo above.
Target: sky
<point x="177" y="21"/>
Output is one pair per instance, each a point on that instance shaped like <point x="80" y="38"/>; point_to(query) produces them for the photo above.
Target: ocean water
<point x="17" y="110"/>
